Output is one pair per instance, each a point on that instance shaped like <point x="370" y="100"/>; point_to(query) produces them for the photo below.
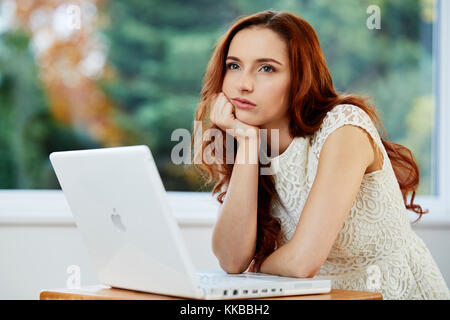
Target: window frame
<point x="438" y="206"/>
<point x="200" y="208"/>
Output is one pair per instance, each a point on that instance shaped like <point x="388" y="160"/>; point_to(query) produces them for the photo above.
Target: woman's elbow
<point x="234" y="268"/>
<point x="305" y="271"/>
<point x="304" y="274"/>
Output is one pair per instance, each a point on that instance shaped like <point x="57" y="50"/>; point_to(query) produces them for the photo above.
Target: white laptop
<point x="121" y="208"/>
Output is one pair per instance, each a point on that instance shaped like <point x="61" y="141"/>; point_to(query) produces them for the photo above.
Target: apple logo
<point x="117" y="221"/>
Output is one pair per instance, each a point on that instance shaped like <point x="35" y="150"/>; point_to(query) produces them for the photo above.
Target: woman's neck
<point x="284" y="138"/>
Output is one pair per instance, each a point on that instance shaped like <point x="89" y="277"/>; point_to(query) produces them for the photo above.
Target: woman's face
<point x="265" y="83"/>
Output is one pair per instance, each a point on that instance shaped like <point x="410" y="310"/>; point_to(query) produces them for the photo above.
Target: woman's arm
<point x="345" y="155"/>
<point x="234" y="235"/>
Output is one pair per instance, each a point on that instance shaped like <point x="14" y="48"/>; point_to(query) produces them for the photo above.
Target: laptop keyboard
<point x="207" y="279"/>
<point x="217" y="279"/>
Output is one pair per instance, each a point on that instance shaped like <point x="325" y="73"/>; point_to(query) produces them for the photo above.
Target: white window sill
<point x="49" y="207"/>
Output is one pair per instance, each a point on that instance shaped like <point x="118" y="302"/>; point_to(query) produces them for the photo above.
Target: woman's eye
<point x="269" y="68"/>
<point x="231" y="64"/>
<point x="266" y="68"/>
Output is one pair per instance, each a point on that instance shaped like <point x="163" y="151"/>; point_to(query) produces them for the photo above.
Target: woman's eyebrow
<point x="257" y="60"/>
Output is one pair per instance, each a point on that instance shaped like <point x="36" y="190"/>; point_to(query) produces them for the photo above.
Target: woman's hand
<point x="222" y="115"/>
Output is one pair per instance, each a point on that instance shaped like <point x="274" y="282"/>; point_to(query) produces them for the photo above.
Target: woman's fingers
<point x="222" y="115"/>
<point x="214" y="109"/>
<point x="220" y="111"/>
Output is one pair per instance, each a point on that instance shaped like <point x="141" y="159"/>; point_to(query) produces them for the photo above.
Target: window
<point x="97" y="74"/>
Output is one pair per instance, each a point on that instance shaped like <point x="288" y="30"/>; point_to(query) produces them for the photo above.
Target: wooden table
<point x="102" y="292"/>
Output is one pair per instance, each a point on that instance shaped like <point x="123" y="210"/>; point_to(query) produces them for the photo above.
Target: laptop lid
<point x="121" y="208"/>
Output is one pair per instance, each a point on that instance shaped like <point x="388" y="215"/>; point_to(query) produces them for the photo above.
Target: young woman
<point x="336" y="205"/>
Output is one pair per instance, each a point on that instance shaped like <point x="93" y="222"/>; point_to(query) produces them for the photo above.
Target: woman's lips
<point x="242" y="105"/>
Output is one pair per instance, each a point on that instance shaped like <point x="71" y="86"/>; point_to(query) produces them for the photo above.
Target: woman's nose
<point x="246" y="82"/>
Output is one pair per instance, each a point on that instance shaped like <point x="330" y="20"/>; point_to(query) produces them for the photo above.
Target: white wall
<point x="36" y="256"/>
<point x="438" y="241"/>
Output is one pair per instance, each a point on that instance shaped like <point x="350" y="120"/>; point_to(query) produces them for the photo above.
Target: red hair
<point x="311" y="96"/>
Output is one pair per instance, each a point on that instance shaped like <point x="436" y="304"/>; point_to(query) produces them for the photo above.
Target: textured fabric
<point x="376" y="249"/>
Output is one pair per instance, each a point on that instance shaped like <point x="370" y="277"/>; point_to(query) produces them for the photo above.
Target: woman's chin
<point x="248" y="120"/>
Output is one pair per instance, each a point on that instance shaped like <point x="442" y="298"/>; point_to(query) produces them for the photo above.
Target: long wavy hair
<point x="311" y="96"/>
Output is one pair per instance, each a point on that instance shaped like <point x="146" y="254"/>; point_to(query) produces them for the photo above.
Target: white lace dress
<point x="376" y="249"/>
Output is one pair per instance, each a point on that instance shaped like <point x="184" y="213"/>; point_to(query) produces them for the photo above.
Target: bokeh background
<point x="90" y="74"/>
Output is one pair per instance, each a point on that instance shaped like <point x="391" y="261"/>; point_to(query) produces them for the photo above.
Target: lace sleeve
<point x="339" y="116"/>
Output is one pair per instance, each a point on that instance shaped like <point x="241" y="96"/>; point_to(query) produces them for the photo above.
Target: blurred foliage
<point x="158" y="52"/>
<point x="28" y="133"/>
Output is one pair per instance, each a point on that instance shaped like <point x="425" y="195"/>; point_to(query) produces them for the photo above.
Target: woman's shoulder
<point x="340" y="115"/>
<point x="343" y="114"/>
<point x="349" y="112"/>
